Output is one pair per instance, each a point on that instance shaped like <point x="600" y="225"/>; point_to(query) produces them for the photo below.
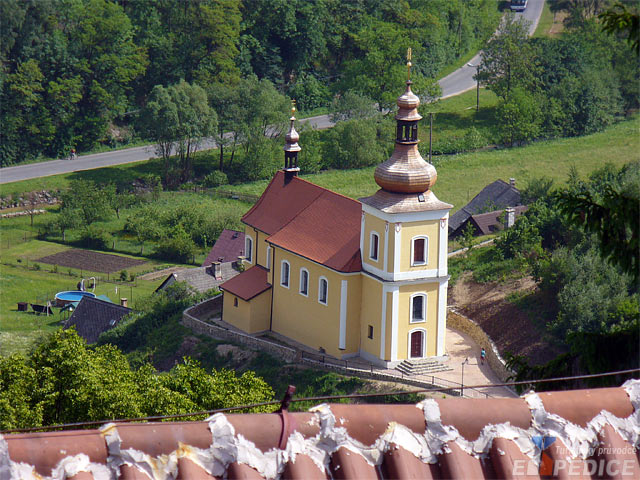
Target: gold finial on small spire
<point x="409" y="64"/>
<point x="293" y="107"/>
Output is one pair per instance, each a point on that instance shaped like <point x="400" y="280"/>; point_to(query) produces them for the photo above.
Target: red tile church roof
<point x="249" y="283"/>
<point x="310" y="221"/>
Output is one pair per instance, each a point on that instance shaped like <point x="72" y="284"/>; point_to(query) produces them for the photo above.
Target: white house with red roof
<point x="350" y="278"/>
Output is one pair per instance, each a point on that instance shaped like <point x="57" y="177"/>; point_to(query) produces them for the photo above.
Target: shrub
<point x="95" y="238"/>
<point x="124" y="275"/>
<point x="215" y="179"/>
<point x="36" y="266"/>
<point x="177" y="245"/>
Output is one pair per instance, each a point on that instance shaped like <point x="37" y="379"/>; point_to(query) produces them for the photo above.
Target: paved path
<point x="453" y="84"/>
<point x="461" y="347"/>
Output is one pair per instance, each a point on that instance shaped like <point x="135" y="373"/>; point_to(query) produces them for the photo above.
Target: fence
<point x="326" y="362"/>
<point x="237" y="196"/>
<point x="13" y="236"/>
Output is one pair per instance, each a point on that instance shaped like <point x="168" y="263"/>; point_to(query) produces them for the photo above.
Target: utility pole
<point x="477" y="88"/>
<point x="477" y="67"/>
<point x="430" y="134"/>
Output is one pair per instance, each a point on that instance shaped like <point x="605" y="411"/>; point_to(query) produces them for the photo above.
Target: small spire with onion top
<point x="291" y="147"/>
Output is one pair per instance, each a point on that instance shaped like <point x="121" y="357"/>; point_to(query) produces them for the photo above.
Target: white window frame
<point x="302" y="271"/>
<point x="326" y="302"/>
<point x="269" y="250"/>
<point x="282" y="264"/>
<point x="426" y="250"/>
<point x="424" y="342"/>
<point x="377" y="252"/>
<point x="424" y="308"/>
<point x="248" y="248"/>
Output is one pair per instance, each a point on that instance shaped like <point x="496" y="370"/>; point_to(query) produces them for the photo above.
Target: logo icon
<point x="546" y="462"/>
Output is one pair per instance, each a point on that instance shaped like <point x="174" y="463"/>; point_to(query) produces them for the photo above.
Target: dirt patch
<point x="91" y="261"/>
<point x="512" y="329"/>
<point x="557" y="26"/>
<point x="238" y="357"/>
<point x="187" y="349"/>
<point x="160" y="273"/>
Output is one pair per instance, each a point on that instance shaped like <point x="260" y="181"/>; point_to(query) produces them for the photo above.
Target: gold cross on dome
<point x="409" y="64"/>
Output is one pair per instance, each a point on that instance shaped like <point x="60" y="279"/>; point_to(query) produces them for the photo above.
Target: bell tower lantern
<point x="291" y="147"/>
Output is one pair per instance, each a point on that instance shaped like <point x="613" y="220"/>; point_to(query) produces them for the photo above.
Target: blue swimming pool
<point x="63" y="298"/>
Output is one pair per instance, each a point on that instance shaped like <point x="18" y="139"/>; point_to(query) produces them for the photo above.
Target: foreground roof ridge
<point x="451" y="437"/>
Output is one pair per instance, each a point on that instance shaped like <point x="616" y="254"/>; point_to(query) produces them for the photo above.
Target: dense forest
<point x="75" y="73"/>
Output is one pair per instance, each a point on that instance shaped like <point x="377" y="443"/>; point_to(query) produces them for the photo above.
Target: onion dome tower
<point x="291" y="147"/>
<point x="406" y="178"/>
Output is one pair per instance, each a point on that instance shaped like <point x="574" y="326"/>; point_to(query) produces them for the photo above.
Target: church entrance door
<point x="416" y="344"/>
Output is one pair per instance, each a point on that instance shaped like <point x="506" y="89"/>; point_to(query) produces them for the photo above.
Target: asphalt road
<point x="453" y="84"/>
<point x="462" y="79"/>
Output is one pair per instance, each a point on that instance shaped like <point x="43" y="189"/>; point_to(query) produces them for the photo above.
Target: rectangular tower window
<point x="370" y="332"/>
<point x="419" y="251"/>
<point x="418" y="308"/>
<point x="373" y="251"/>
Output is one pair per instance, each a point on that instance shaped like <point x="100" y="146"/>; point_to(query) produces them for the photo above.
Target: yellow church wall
<point x="389" y="316"/>
<point x="430" y="229"/>
<point x="371" y="307"/>
<point x="404" y="317"/>
<point x="374" y="224"/>
<point x="260" y="312"/>
<point x="260" y="245"/>
<point x="304" y="318"/>
<point x="250" y="316"/>
<point x="239" y="316"/>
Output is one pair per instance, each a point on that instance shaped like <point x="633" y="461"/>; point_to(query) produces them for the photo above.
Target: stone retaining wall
<point x="291" y="355"/>
<point x="459" y="322"/>
<point x="207" y="308"/>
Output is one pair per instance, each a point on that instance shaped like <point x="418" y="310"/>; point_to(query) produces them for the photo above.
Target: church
<point x="350" y="278"/>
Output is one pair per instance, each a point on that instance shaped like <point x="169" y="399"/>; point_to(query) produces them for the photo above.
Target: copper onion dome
<point x="406" y="171"/>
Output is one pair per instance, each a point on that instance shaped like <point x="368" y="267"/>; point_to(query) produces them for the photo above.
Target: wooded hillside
<point x="75" y="72"/>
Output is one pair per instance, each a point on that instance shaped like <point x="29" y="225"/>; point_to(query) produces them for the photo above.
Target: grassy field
<point x="461" y="177"/>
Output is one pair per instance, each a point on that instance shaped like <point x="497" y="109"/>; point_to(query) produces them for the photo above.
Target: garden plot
<point x="91" y="261"/>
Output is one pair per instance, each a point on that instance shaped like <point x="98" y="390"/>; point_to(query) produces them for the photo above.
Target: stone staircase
<point x="422" y="366"/>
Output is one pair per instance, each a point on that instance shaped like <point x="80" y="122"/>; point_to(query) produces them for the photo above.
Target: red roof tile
<point x="445" y="438"/>
<point x="280" y="203"/>
<point x="327" y="232"/>
<point x="249" y="283"/>
<point x="228" y="247"/>
<point x="310" y="221"/>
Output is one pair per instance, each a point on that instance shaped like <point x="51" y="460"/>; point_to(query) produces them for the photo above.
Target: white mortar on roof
<point x="66" y="468"/>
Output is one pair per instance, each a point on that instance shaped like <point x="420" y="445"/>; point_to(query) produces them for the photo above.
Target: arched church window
<point x="284" y="274"/>
<point x="323" y="290"/>
<point x="304" y="282"/>
<point x="248" y="248"/>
